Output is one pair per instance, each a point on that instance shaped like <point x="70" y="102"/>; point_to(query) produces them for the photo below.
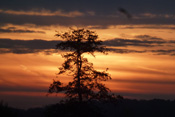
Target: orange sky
<point x="134" y="75"/>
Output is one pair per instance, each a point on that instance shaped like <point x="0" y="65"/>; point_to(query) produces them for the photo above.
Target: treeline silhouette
<point x="120" y="108"/>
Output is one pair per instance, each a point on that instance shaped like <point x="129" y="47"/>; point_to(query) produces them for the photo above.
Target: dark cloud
<point x="35" y="46"/>
<point x="28" y="51"/>
<point x="102" y="12"/>
<point x="86" y="20"/>
<point x="103" y="6"/>
<point x="30" y="44"/>
<point x="149" y="96"/>
<point x="14" y="30"/>
<point x="51" y="51"/>
<point x="19" y="50"/>
<point x="27" y="46"/>
<point x="98" y="27"/>
<point x="146" y="81"/>
<point x="149" y="38"/>
<point x="164" y="52"/>
<point x="48" y="47"/>
<point x="172" y="41"/>
<point x="149" y="27"/>
<point x="142" y="42"/>
<point x="124" y="51"/>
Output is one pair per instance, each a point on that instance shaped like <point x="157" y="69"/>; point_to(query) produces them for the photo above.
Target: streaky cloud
<point x="146" y="81"/>
<point x="86" y="13"/>
<point x="49" y="47"/>
<point x="124" y="51"/>
<point x="30" y="44"/>
<point x="134" y="42"/>
<point x="14" y="30"/>
<point x="43" y="12"/>
<point x="164" y="52"/>
<point x="150" y="38"/>
<point x="171" y="27"/>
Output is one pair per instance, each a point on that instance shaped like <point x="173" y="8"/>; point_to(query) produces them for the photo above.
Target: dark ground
<point x="120" y="108"/>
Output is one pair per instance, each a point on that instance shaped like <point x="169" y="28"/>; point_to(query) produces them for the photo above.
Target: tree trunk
<point x="79" y="64"/>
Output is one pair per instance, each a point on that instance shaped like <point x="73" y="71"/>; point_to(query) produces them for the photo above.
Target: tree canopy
<point x="86" y="83"/>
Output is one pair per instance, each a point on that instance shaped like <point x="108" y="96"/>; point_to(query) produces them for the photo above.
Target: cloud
<point x="14" y="30"/>
<point x="84" y="20"/>
<point x="149" y="38"/>
<point x="43" y="12"/>
<point x="148" y="27"/>
<point x="27" y="51"/>
<point x="124" y="51"/>
<point x="145" y="81"/>
<point x="27" y="46"/>
<point x="97" y="27"/>
<point x="30" y="44"/>
<point x="164" y="52"/>
<point x="143" y="41"/>
<point x="51" y="51"/>
<point x="151" y="15"/>
<point x="140" y="41"/>
<point x="35" y="46"/>
<point x="48" y="47"/>
<point x="172" y="41"/>
<point x="92" y="13"/>
<point x="19" y="50"/>
<point x="110" y="5"/>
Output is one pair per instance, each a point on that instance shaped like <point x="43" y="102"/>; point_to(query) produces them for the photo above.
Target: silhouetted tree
<point x="86" y="82"/>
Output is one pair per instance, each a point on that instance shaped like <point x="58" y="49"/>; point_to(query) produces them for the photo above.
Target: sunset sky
<point x="141" y="63"/>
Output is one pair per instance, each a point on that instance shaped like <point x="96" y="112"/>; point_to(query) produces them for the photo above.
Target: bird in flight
<point x="125" y="12"/>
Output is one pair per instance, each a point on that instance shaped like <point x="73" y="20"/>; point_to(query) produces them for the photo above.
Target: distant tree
<point x="86" y="82"/>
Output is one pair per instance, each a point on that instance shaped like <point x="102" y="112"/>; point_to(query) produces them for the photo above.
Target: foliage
<point x="86" y="84"/>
